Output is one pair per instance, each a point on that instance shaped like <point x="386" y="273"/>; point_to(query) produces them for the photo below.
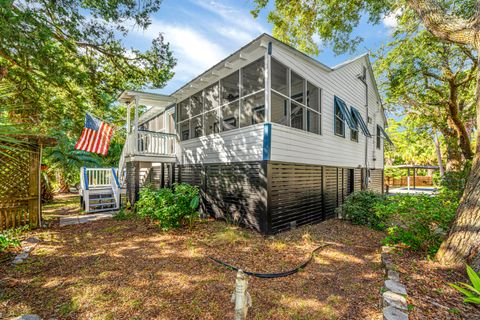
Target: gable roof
<point x="263" y="40"/>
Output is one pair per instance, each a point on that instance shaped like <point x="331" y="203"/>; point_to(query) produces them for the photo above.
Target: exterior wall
<point x="133" y="181"/>
<point x="240" y="145"/>
<point x="328" y="148"/>
<point x="235" y="192"/>
<point x="271" y="196"/>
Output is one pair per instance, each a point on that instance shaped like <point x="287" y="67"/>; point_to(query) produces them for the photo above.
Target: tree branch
<point x="443" y="25"/>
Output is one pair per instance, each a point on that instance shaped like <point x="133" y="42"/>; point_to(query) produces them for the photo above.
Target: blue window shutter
<point x="346" y="114"/>
<point x="358" y="117"/>
<point x="385" y="135"/>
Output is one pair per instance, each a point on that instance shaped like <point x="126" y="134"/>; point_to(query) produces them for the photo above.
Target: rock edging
<point x="27" y="246"/>
<point x="394" y="293"/>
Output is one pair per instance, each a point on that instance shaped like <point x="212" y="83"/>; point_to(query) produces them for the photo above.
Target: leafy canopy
<point x="307" y="24"/>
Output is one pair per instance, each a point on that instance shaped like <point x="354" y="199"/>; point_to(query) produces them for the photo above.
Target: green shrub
<point x="169" y="207"/>
<point x="471" y="292"/>
<point x="9" y="238"/>
<point x="359" y="208"/>
<point x="419" y="222"/>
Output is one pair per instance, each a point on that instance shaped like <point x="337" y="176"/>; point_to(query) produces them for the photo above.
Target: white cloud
<point x="194" y="51"/>
<point x="391" y="20"/>
<point x="202" y="40"/>
<point x="232" y="16"/>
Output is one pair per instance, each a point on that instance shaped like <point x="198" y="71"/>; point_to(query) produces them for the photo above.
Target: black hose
<point x="271" y="275"/>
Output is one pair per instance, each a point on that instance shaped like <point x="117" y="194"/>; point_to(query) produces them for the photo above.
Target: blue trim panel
<point x="85" y="178"/>
<point x="270" y="49"/>
<point x="115" y="177"/>
<point x="267" y="140"/>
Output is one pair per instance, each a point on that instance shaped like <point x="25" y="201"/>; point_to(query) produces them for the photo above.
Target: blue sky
<point x="203" y="32"/>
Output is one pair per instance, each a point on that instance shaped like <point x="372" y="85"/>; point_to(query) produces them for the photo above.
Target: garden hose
<point x="270" y="275"/>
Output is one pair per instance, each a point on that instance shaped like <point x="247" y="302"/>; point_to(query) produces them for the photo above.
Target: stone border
<point x="27" y="246"/>
<point x="394" y="293"/>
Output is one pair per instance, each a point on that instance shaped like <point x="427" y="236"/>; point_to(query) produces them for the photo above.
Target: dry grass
<point x="130" y="270"/>
<point x="429" y="295"/>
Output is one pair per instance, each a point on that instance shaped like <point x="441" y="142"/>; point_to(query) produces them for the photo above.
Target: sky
<point x="203" y="32"/>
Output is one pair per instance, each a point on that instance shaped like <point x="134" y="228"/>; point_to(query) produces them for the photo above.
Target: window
<point x="297" y="87"/>
<point x="184" y="110"/>
<point x="212" y="97"/>
<point x="184" y="130"/>
<point x="253" y="77"/>
<point x="230" y="88"/>
<point x="252" y="110"/>
<point x="339" y="122"/>
<point x="212" y="122"/>
<point x="279" y="109"/>
<point x="196" y="104"/>
<point x="354" y="135"/>
<point x="379" y="138"/>
<point x="313" y="97"/>
<point x="279" y="77"/>
<point x="230" y="116"/>
<point x="197" y="126"/>
<point x="313" y="122"/>
<point x="297" y="116"/>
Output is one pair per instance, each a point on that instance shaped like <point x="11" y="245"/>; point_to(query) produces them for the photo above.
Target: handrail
<point x="85" y="178"/>
<point x="114" y="174"/>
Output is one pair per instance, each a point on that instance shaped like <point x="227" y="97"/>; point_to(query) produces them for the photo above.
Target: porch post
<point x="135" y="128"/>
<point x="129" y="127"/>
<point x="408" y="179"/>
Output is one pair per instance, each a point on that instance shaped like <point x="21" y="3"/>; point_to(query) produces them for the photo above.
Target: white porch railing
<point x="146" y="143"/>
<point x="92" y="179"/>
<point x="156" y="143"/>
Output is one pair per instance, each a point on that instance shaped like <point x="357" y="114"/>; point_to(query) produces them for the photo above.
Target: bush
<point x="359" y="208"/>
<point x="9" y="238"/>
<point x="170" y="208"/>
<point x="419" y="222"/>
<point x="471" y="291"/>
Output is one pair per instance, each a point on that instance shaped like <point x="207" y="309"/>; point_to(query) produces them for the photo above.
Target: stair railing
<point x="115" y="187"/>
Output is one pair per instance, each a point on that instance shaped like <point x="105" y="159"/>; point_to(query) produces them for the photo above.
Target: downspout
<point x="363" y="78"/>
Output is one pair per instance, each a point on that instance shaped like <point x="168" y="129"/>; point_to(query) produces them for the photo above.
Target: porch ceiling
<point x="146" y="98"/>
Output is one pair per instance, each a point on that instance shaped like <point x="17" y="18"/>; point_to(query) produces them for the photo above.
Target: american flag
<point x="95" y="136"/>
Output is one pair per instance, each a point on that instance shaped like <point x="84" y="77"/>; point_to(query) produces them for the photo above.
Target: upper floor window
<point x="253" y="77"/>
<point x="295" y="102"/>
<point x="379" y="138"/>
<point x="339" y="121"/>
<point x="222" y="106"/>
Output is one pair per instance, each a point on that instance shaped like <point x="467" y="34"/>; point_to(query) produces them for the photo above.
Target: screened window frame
<point x="341" y="118"/>
<point x="289" y="100"/>
<point x="379" y="138"/>
<point x="221" y="105"/>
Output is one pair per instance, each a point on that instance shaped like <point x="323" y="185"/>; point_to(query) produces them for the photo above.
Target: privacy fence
<point x="19" y="185"/>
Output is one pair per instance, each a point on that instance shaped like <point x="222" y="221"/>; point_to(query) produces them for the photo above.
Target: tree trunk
<point x="454" y="155"/>
<point x="439" y="153"/>
<point x="463" y="241"/>
<point x="457" y="123"/>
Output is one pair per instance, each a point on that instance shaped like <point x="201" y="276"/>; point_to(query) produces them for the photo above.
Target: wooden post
<point x="33" y="189"/>
<point x="135" y="129"/>
<point x="241" y="297"/>
<point x="414" y="178"/>
<point x="408" y="179"/>
<point x="162" y="175"/>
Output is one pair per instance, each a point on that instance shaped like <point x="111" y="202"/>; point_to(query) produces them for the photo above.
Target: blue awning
<point x="344" y="110"/>
<point x="385" y="135"/>
<point x="358" y="118"/>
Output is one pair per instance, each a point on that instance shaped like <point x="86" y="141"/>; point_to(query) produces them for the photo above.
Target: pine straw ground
<point x="429" y="293"/>
<point x="130" y="270"/>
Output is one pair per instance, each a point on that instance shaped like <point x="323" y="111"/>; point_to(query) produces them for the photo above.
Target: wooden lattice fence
<point x="19" y="185"/>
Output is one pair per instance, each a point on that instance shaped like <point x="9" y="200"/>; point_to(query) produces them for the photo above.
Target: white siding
<point x="328" y="149"/>
<point x="245" y="144"/>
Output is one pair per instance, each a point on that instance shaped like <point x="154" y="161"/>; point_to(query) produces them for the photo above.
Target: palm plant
<point x="472" y="292"/>
<point x="65" y="162"/>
